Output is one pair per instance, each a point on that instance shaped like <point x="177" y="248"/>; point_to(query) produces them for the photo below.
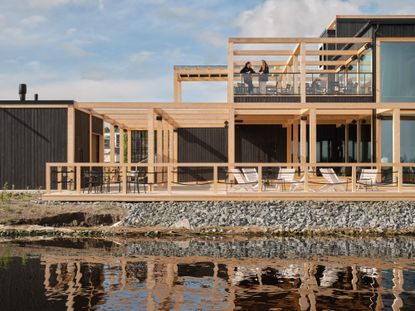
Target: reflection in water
<point x="95" y="275"/>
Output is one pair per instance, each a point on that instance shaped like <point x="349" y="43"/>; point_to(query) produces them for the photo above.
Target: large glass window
<point x="407" y="139"/>
<point x="397" y="69"/>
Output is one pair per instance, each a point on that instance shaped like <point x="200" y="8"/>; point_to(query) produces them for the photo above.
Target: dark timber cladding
<point x="81" y="136"/>
<point x="201" y="145"/>
<point x="97" y="126"/>
<point x="31" y="137"/>
<point x="260" y="143"/>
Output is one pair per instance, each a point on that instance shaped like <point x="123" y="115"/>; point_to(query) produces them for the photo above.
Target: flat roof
<point x="37" y="102"/>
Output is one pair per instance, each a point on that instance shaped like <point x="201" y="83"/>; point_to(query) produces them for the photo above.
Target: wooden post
<point x="295" y="142"/>
<point x="303" y="141"/>
<point x="59" y="172"/>
<point x="346" y="143"/>
<point x="358" y="140"/>
<point x="112" y="143"/>
<point x="289" y="143"/>
<point x="231" y="138"/>
<point x="159" y="149"/>
<point x="302" y="73"/>
<point x="47" y="181"/>
<point x="124" y="179"/>
<point x="129" y="148"/>
<point x="171" y="140"/>
<point x="215" y="178"/>
<point x="379" y="148"/>
<point x="121" y="132"/>
<point x="260" y="178"/>
<point x="400" y="178"/>
<point x="306" y="178"/>
<point x="169" y="177"/>
<point x="353" y="178"/>
<point x="78" y="179"/>
<point x="313" y="136"/>
<point x="230" y="74"/>
<point x="396" y="142"/>
<point x="177" y="88"/>
<point x="295" y="74"/>
<point x="150" y="146"/>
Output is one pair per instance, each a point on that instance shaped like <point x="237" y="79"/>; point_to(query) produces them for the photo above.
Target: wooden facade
<point x="320" y="106"/>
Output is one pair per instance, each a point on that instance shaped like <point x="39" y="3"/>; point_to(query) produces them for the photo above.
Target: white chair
<point x="241" y="182"/>
<point x="285" y="176"/>
<point x="367" y="178"/>
<point x="332" y="180"/>
<point x="251" y="176"/>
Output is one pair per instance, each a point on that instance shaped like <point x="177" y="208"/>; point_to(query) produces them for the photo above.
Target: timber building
<point x="344" y="101"/>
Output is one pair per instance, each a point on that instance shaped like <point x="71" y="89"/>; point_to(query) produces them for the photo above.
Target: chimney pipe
<point x="36" y="97"/>
<point x="22" y="91"/>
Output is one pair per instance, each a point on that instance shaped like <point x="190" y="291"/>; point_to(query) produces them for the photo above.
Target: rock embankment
<point x="284" y="216"/>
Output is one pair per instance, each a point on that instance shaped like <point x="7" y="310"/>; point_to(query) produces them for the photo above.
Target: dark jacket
<point x="247" y="70"/>
<point x="264" y="75"/>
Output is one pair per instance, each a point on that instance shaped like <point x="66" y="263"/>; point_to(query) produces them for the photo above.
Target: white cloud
<point x="74" y="50"/>
<point x="212" y="38"/>
<point x="286" y="18"/>
<point x="33" y="20"/>
<point x="140" y="57"/>
<point x="71" y="31"/>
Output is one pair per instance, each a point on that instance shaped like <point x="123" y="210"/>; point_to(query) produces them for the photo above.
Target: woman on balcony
<point x="246" y="72"/>
<point x="263" y="77"/>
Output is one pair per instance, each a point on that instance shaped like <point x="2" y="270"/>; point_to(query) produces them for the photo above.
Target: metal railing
<point x="267" y="84"/>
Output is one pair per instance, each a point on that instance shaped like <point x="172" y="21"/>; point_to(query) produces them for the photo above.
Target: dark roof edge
<point x="37" y="102"/>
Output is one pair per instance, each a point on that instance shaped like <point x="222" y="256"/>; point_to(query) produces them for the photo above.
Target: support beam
<point x="177" y="88"/>
<point x="121" y="133"/>
<point x="303" y="140"/>
<point x="378" y="147"/>
<point x="313" y="135"/>
<point x="396" y="142"/>
<point x="230" y="73"/>
<point x="112" y="143"/>
<point x="302" y="76"/>
<point x="231" y="138"/>
<point x="295" y="141"/>
<point x="150" y="146"/>
<point x="129" y="145"/>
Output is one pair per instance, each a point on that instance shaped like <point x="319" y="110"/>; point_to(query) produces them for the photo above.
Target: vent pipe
<point x="22" y="91"/>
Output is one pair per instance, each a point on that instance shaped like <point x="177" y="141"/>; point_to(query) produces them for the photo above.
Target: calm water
<point x="212" y="274"/>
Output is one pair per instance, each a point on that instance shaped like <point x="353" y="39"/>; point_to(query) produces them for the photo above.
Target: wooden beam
<point x="276" y="40"/>
<point x="166" y="117"/>
<point x="396" y="139"/>
<point x="230" y="91"/>
<point x="302" y="76"/>
<point x="303" y="140"/>
<point x="313" y="136"/>
<point x="331" y="52"/>
<point x="121" y="133"/>
<point x="177" y="88"/>
<point x="129" y="146"/>
<point x="262" y="52"/>
<point x="150" y="146"/>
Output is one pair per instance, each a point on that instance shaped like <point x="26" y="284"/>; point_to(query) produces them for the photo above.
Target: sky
<point x="124" y="50"/>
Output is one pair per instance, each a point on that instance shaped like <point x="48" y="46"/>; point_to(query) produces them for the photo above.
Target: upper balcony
<point x="302" y="69"/>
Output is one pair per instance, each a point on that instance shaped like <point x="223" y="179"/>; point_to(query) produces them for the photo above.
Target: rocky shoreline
<point x="282" y="216"/>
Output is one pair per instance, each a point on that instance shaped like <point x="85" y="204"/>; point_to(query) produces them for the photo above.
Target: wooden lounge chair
<point x="251" y="176"/>
<point x="241" y="182"/>
<point x="333" y="183"/>
<point x="367" y="179"/>
<point x="285" y="176"/>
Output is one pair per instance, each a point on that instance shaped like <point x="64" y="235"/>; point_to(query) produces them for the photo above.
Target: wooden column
<point x="358" y="140"/>
<point x="313" y="135"/>
<point x="230" y="73"/>
<point x="121" y="132"/>
<point x="171" y="143"/>
<point x="150" y="145"/>
<point x="303" y="74"/>
<point x="295" y="73"/>
<point x="303" y="140"/>
<point x="346" y="143"/>
<point x="159" y="149"/>
<point x="396" y="143"/>
<point x="295" y="142"/>
<point x="289" y="143"/>
<point x="177" y="88"/>
<point x="129" y="146"/>
<point x="231" y="138"/>
<point x="112" y="143"/>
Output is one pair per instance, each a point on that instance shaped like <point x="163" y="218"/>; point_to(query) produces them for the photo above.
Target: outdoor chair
<point x="91" y="181"/>
<point x="285" y="176"/>
<point x="251" y="175"/>
<point x="136" y="178"/>
<point x="367" y="179"/>
<point x="110" y="178"/>
<point x="241" y="182"/>
<point x="333" y="183"/>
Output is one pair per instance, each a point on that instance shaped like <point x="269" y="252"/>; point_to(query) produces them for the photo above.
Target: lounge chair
<point x="241" y="182"/>
<point x="251" y="176"/>
<point x="333" y="183"/>
<point x="285" y="176"/>
<point x="367" y="178"/>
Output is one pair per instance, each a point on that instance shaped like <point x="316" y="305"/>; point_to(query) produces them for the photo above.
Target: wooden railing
<point x="69" y="176"/>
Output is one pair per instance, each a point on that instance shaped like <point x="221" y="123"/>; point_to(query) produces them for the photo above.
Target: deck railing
<point x="165" y="177"/>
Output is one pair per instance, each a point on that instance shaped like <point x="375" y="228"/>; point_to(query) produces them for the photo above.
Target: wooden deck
<point x="206" y="193"/>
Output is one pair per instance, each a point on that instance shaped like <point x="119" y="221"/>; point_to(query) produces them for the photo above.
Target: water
<point x="208" y="274"/>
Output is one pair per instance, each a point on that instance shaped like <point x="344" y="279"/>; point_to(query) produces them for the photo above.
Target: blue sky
<point x="125" y="49"/>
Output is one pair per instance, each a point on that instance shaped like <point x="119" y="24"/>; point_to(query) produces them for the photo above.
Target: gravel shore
<point x="278" y="215"/>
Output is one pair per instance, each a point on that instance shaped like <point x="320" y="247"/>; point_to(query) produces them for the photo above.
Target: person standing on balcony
<point x="247" y="71"/>
<point x="263" y="77"/>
